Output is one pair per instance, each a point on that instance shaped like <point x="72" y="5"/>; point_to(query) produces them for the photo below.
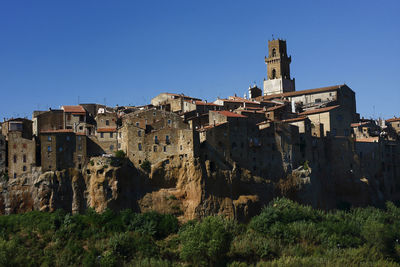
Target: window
<point x="111" y="135"/>
<point x="137" y="124"/>
<point x="111" y="147"/>
<point x="79" y="138"/>
<point x="80" y="147"/>
<point x="101" y="135"/>
<point x="156" y="139"/>
<point x="120" y="135"/>
<point x="181" y="147"/>
<point x="48" y="138"/>
<point x="48" y="148"/>
<point x="69" y="116"/>
<point x="318" y="100"/>
<point x="67" y="138"/>
<point x="154" y="113"/>
<point x="167" y="139"/>
<point x="169" y="122"/>
<point x="24" y="158"/>
<point x="24" y="168"/>
<point x="15" y="175"/>
<point x="273" y="52"/>
<point x="139" y="133"/>
<point x="81" y="118"/>
<point x="155" y="148"/>
<point x="119" y="145"/>
<point x="60" y="149"/>
<point x="140" y="147"/>
<point x="334" y="132"/>
<point x="15" y="159"/>
<point x="273" y="76"/>
<point x="107" y="122"/>
<point x="165" y="149"/>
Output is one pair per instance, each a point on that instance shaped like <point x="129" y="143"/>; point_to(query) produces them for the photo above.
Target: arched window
<point x="273" y="74"/>
<point x="273" y="52"/>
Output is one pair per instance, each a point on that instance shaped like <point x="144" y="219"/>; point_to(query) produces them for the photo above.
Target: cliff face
<point x="187" y="188"/>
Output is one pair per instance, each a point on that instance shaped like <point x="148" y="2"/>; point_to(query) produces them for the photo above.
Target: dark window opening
<point x="273" y="76"/>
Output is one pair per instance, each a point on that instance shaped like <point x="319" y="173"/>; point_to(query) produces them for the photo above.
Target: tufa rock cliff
<point x="188" y="188"/>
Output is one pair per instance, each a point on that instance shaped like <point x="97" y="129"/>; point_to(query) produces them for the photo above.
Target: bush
<point x="206" y="242"/>
<point x="120" y="154"/>
<point x="146" y="166"/>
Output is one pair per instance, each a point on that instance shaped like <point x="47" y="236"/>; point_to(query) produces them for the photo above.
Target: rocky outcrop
<point x="188" y="188"/>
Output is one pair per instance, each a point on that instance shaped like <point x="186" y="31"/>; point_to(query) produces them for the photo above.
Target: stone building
<point x="365" y="129"/>
<point x="106" y="131"/>
<point x="3" y="155"/>
<point x="75" y="118"/>
<point x="22" y="125"/>
<point x="395" y="124"/>
<point x="52" y="119"/>
<point x="174" y="102"/>
<point x="62" y="149"/>
<point x="234" y="102"/>
<point x="155" y="135"/>
<point x="21" y="147"/>
<point x="278" y="69"/>
<point x="335" y="119"/>
<point x="266" y="149"/>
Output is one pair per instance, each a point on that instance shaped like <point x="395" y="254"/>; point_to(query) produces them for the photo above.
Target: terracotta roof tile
<point x="202" y="103"/>
<point x="356" y="124"/>
<point x="73" y="109"/>
<point x="295" y="119"/>
<point x="205" y="128"/>
<point x="275" y="108"/>
<point x="302" y="92"/>
<point x="393" y="120"/>
<point x="107" y="130"/>
<point x="319" y="110"/>
<point x="57" y="131"/>
<point x="230" y="114"/>
<point x="368" y="140"/>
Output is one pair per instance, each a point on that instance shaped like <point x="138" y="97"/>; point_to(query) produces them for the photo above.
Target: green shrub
<point x="206" y="242"/>
<point x="146" y="166"/>
<point x="120" y="154"/>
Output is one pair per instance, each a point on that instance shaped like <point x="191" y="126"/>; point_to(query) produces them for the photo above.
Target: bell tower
<point x="278" y="69"/>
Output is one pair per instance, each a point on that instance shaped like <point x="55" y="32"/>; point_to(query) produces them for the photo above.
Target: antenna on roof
<point x="272" y="37"/>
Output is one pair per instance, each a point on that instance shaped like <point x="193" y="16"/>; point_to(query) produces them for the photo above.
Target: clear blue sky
<point x="53" y="53"/>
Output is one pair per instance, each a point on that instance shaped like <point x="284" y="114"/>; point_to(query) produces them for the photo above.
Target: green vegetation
<point x="120" y="154"/>
<point x="146" y="166"/>
<point x="284" y="234"/>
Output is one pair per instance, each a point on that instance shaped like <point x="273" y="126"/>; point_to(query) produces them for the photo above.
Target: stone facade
<point x="3" y="155"/>
<point x="47" y="120"/>
<point x="394" y="123"/>
<point x="155" y="135"/>
<point x="278" y="69"/>
<point x="62" y="149"/>
<point x="21" y="154"/>
<point x="106" y="131"/>
<point x="175" y="102"/>
<point x="75" y="118"/>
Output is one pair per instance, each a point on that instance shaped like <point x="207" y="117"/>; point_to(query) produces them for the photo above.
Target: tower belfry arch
<point x="278" y="69"/>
